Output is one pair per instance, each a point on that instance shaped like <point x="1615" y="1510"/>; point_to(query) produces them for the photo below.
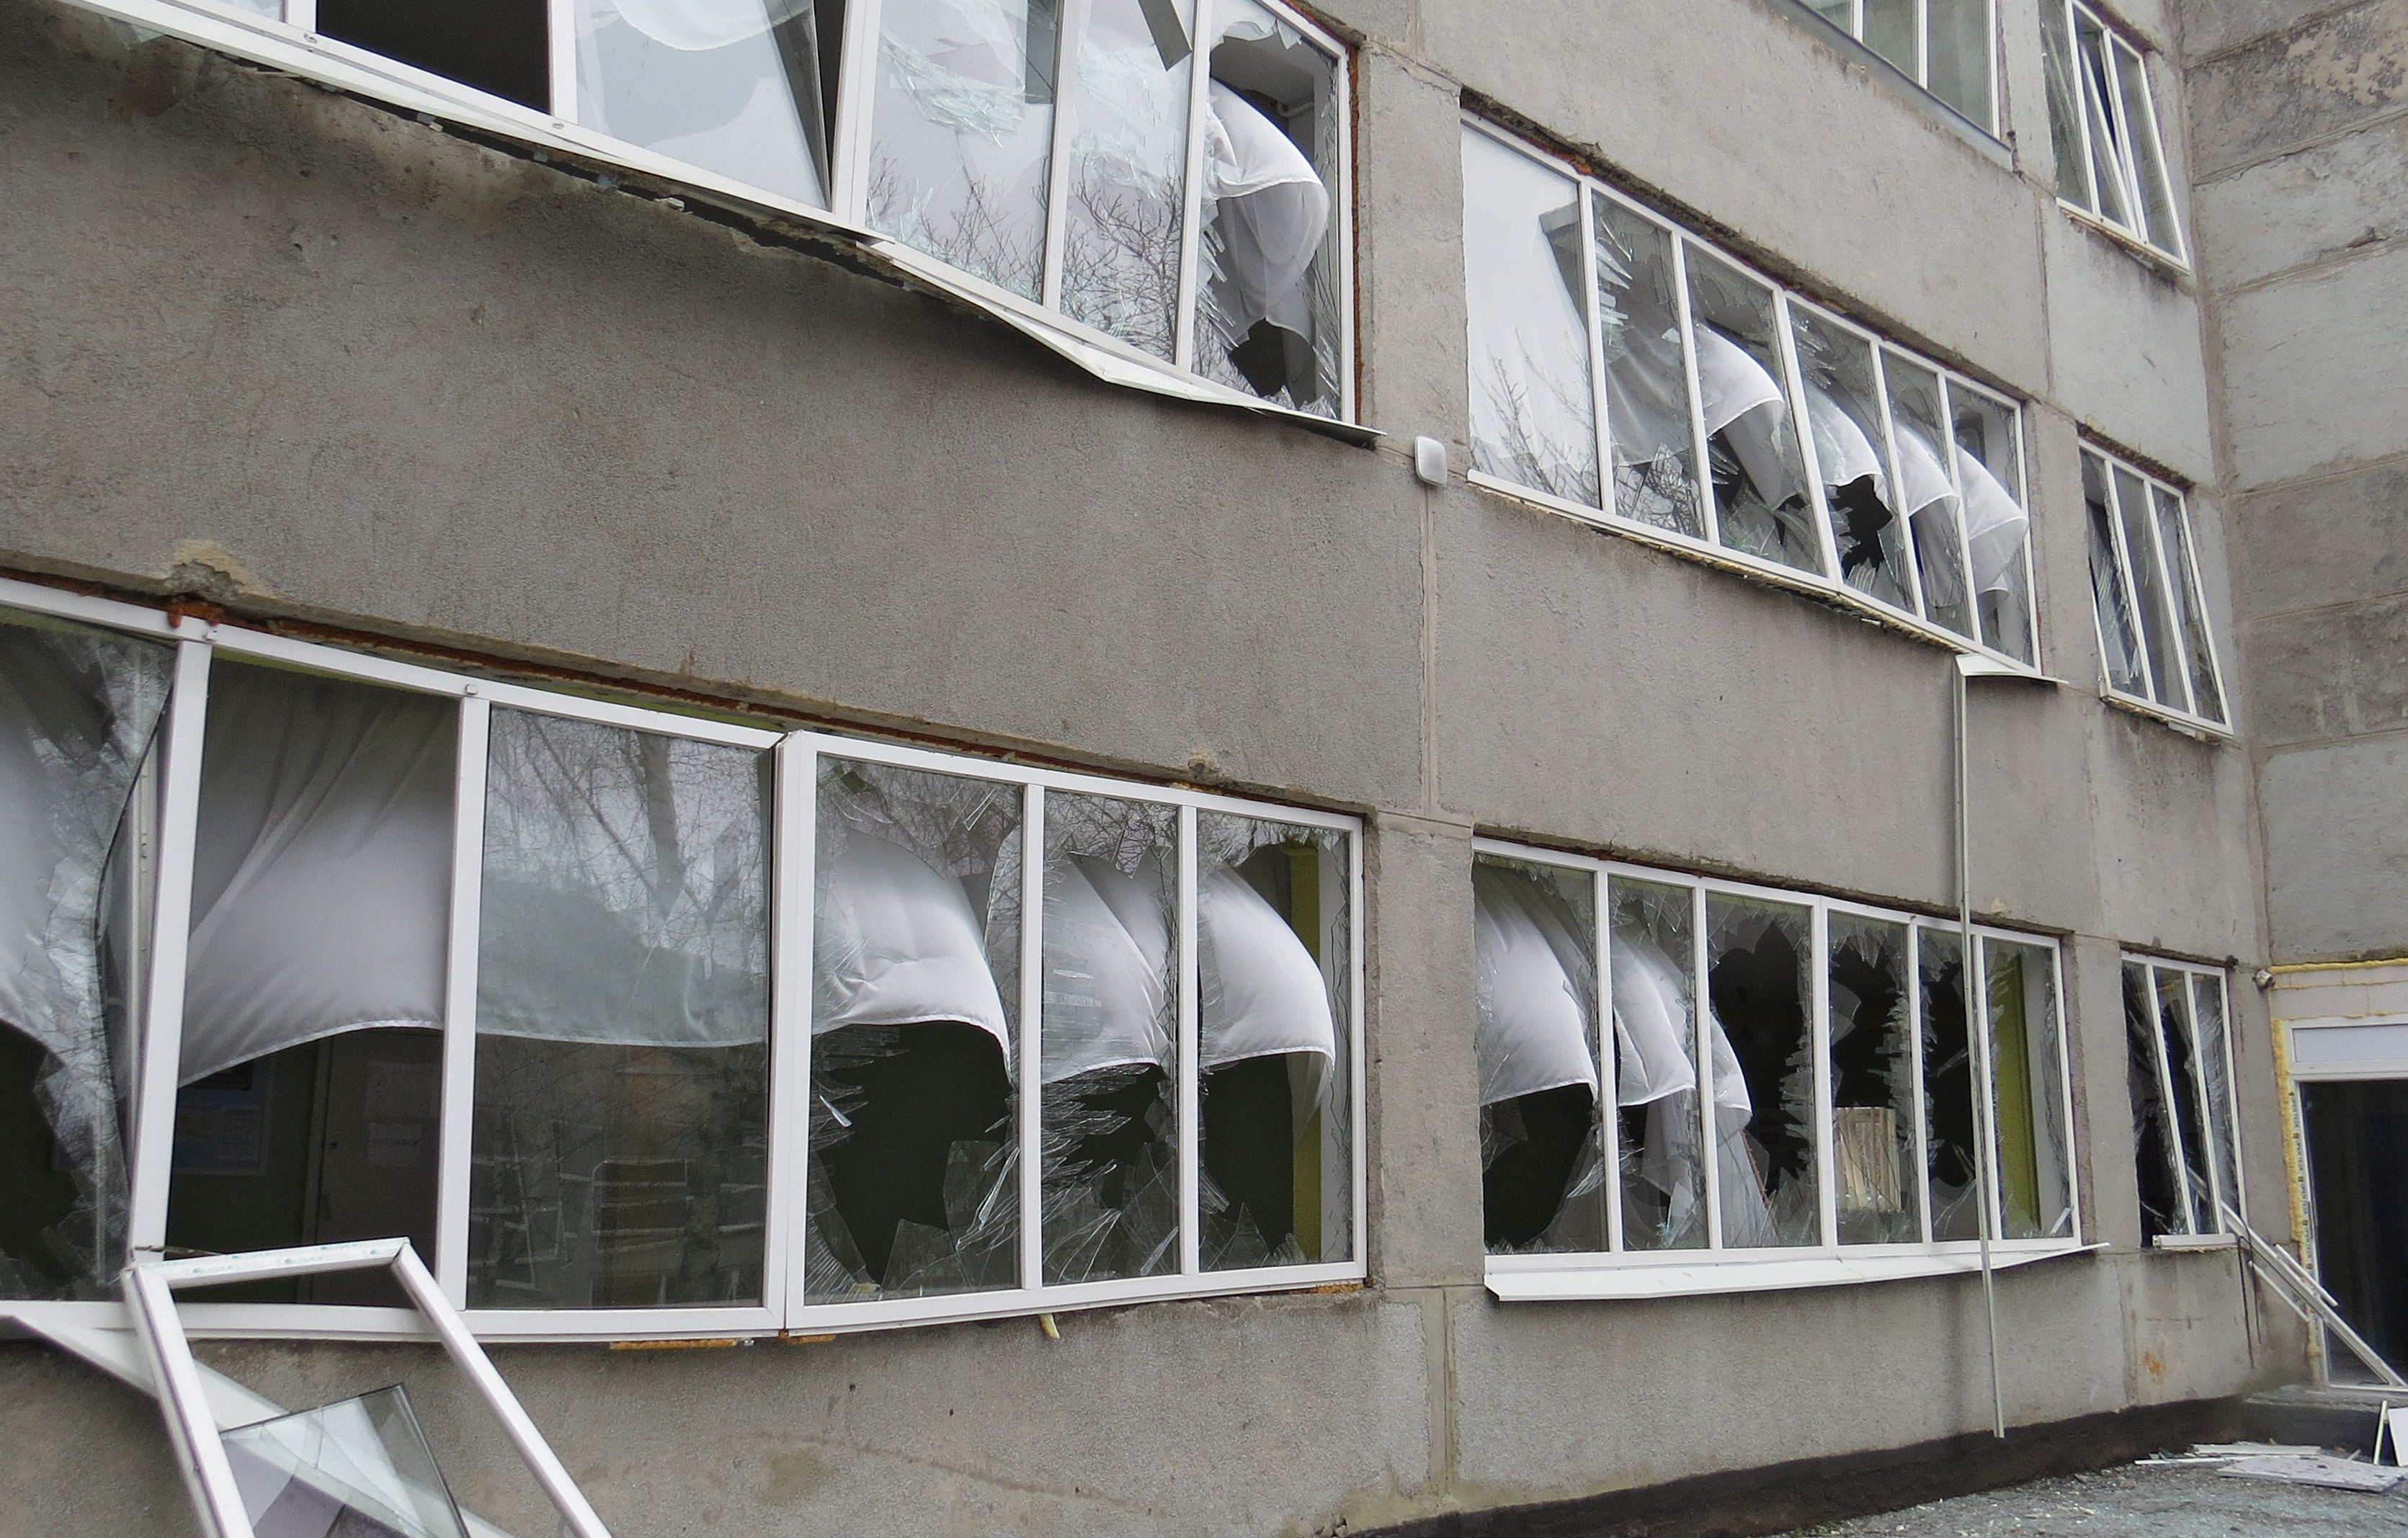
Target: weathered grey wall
<point x="2298" y="126"/>
<point x="317" y="360"/>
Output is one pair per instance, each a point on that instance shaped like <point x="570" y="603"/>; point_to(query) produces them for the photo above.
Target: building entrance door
<point x="2356" y="1134"/>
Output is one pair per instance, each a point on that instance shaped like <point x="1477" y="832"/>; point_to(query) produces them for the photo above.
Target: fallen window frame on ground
<point x="150" y="1290"/>
<point x="1651" y="975"/>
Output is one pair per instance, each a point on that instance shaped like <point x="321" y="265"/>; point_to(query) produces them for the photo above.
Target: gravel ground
<point x="2140" y="1503"/>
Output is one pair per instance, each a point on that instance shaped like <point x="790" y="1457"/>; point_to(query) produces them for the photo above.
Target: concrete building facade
<point x="293" y="358"/>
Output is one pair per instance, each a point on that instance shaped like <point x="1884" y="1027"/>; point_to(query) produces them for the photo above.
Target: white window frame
<point x="289" y="42"/>
<point x="1619" y="1273"/>
<point x="2204" y="1208"/>
<point x="1828" y="583"/>
<point x="2122" y="54"/>
<point x="2162" y="562"/>
<point x="1921" y="73"/>
<point x="791" y="852"/>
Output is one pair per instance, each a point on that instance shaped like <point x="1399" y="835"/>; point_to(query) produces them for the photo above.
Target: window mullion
<point x="1898" y="483"/>
<point x="301" y="14"/>
<point x="1191" y="219"/>
<point x="1711" y="521"/>
<point x="1609" y="1062"/>
<point x="794" y="867"/>
<point x="457" y="1107"/>
<point x="1070" y="22"/>
<point x="856" y="93"/>
<point x="1819" y="1040"/>
<point x="561" y="51"/>
<point x="1191" y="1261"/>
<point x="1709" y="1113"/>
<point x="171" y="925"/>
<point x="1922" y="43"/>
<point x="1595" y="313"/>
<point x="1032" y="1027"/>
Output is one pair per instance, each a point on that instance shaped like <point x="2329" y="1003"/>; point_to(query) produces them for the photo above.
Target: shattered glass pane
<point x="620" y="1143"/>
<point x="78" y="708"/>
<point x="1128" y="170"/>
<point x="2156" y="1150"/>
<point x="1873" y="1084"/>
<point x="1759" y="476"/>
<point x="1759" y="959"/>
<point x="2190" y="608"/>
<point x="1533" y="409"/>
<point x="1928" y="491"/>
<point x="1949" y="1141"/>
<point x="732" y="86"/>
<point x="1274" y="1043"/>
<point x="1997" y="528"/>
<point x="1661" y="1153"/>
<point x="2148" y="577"/>
<point x="2184" y="1072"/>
<point x="914" y="1156"/>
<point x="2064" y="119"/>
<point x="1543" y="1170"/>
<point x="2215" y="1065"/>
<point x="313" y="990"/>
<point x="498" y="46"/>
<point x="1646" y="373"/>
<point x="2035" y="1184"/>
<point x="1843" y="413"/>
<point x="962" y="133"/>
<point x="1110" y="1038"/>
<point x="1268" y="311"/>
<point x="2110" y="591"/>
<point x="1960" y="56"/>
<point x="358" y="1468"/>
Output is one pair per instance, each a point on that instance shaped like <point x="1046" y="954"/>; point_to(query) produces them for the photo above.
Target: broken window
<point x="309" y="1108"/>
<point x="1906" y="494"/>
<point x="1873" y="1090"/>
<point x="1126" y="207"/>
<point x="913" y="1159"/>
<point x="2146" y="587"/>
<point x="1533" y="420"/>
<point x="1274" y="976"/>
<point x="501" y="48"/>
<point x="78" y="707"/>
<point x="1841" y="1083"/>
<point x="1542" y="1177"/>
<point x="1110" y="1124"/>
<point x="1758" y="982"/>
<point x="619" y="1150"/>
<point x="2102" y="117"/>
<point x="1655" y="456"/>
<point x="1944" y="45"/>
<point x="2186" y="1152"/>
<point x="1760" y="494"/>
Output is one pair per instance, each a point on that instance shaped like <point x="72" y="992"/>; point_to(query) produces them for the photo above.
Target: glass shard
<point x="1129" y="171"/>
<point x="1950" y="1141"/>
<point x="2165" y="1200"/>
<point x="1843" y="413"/>
<point x="1874" y="1092"/>
<point x="1759" y="957"/>
<point x="1927" y="492"/>
<point x="1759" y="476"/>
<point x="1542" y="1173"/>
<point x="1646" y="373"/>
<point x="358" y="1468"/>
<point x="1661" y="1149"/>
<point x="1997" y="528"/>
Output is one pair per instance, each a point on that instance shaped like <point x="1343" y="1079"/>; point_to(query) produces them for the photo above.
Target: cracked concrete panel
<point x="2336" y="848"/>
<point x="2330" y="674"/>
<point x="1577" y="1398"/>
<point x="2301" y="399"/>
<point x="2320" y="78"/>
<point x="2334" y="201"/>
<point x="2321" y="543"/>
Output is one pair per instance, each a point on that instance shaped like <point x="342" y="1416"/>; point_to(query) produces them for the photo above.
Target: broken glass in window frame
<point x="1683" y="513"/>
<point x="1635" y="1262"/>
<point x="2179" y="1029"/>
<point x="2157" y="643"/>
<point x="2109" y="148"/>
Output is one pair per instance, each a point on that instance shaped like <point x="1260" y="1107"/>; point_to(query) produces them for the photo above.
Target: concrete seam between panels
<point x="2314" y="141"/>
<point x="2308" y="744"/>
<point x="2347" y="256"/>
<point x="2354" y="467"/>
<point x="2299" y="24"/>
<point x="1429" y="647"/>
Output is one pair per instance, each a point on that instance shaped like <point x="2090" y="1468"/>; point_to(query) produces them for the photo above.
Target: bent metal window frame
<point x="2154" y="570"/>
<point x="2202" y="1213"/>
<point x="1788" y="304"/>
<point x="288" y="41"/>
<point x="1618" y="1272"/>
<point x="790" y="855"/>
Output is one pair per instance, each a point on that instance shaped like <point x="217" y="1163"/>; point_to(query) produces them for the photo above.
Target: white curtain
<point x="1657" y="1061"/>
<point x="78" y="709"/>
<point x="898" y="944"/>
<point x="1107" y="965"/>
<point x="1533" y="1030"/>
<point x="1262" y="992"/>
<point x="1841" y="446"/>
<point x="321" y="877"/>
<point x="1994" y="527"/>
<point x="1270" y="210"/>
<point x="1742" y="401"/>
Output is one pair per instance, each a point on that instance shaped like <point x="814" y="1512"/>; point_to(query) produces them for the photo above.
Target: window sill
<point x="1590" y="1279"/>
<point x="1771" y="573"/>
<point x="2178" y="1242"/>
<point x="2166" y="263"/>
<point x="439" y="101"/>
<point x="2182" y="721"/>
